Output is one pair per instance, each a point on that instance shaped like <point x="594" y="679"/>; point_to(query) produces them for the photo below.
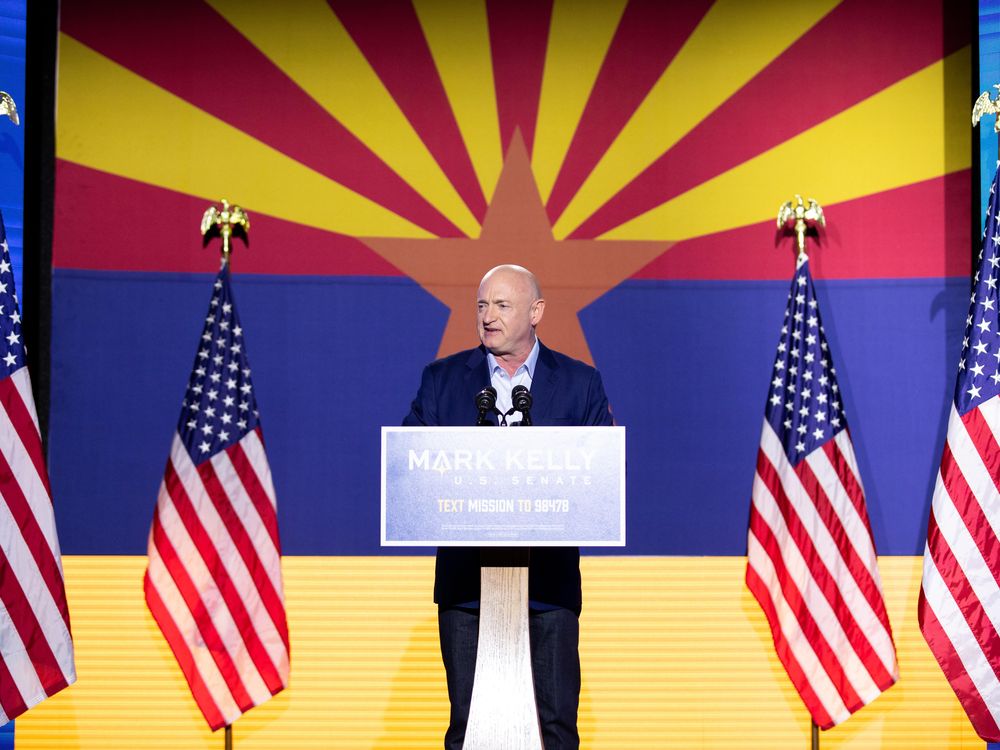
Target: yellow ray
<point x="734" y="41"/>
<point x="116" y="121"/>
<point x="914" y="130"/>
<point x="459" y="40"/>
<point x="579" y="36"/>
<point x="309" y="43"/>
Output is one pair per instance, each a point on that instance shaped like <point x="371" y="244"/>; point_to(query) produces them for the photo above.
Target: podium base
<point x="503" y="713"/>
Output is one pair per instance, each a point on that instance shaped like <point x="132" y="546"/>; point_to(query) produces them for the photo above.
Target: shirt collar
<point x="529" y="363"/>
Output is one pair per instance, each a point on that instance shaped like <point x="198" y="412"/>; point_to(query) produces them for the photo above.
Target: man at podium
<point x="564" y="392"/>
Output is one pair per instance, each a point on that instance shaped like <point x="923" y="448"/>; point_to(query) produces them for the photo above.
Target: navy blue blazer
<point x="564" y="391"/>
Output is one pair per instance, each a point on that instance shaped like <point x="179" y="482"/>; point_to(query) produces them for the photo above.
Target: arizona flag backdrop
<point x="631" y="153"/>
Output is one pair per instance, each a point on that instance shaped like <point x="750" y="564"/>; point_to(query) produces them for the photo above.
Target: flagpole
<point x="226" y="222"/>
<point x="799" y="216"/>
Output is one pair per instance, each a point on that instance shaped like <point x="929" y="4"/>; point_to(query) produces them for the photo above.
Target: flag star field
<point x="804" y="404"/>
<point x="219" y="408"/>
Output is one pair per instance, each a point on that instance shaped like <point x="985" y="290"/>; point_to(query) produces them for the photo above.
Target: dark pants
<point x="555" y="667"/>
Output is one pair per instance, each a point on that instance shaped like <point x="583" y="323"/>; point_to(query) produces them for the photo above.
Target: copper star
<point x="572" y="273"/>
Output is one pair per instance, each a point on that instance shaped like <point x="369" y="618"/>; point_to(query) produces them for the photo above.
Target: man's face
<point x="507" y="314"/>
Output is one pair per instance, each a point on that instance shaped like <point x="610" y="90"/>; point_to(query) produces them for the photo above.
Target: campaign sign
<point x="503" y="486"/>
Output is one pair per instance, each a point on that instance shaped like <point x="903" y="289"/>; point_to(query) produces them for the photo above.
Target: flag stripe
<point x="183" y="634"/>
<point x="954" y="645"/>
<point x="813" y="501"/>
<point x="28" y="615"/>
<point x="241" y="515"/>
<point x="963" y="589"/>
<point x="853" y="616"/>
<point x="977" y="454"/>
<point x="822" y="484"/>
<point x="25" y="515"/>
<point x="41" y="616"/>
<point x="25" y="688"/>
<point x="253" y="446"/>
<point x="201" y="614"/>
<point x="207" y="557"/>
<point x="872" y="645"/>
<point x="250" y="463"/>
<point x="968" y="486"/>
<point x="817" y="621"/>
<point x="18" y="403"/>
<point x="11" y="703"/>
<point x="199" y="689"/>
<point x="183" y="621"/>
<point x="856" y="568"/>
<point x="848" y="525"/>
<point x="274" y="638"/>
<point x="22" y="381"/>
<point x="793" y="647"/>
<point x="245" y="586"/>
<point x="989" y="415"/>
<point x="782" y="647"/>
<point x="256" y="547"/>
<point x="958" y="559"/>
<point x="840" y="454"/>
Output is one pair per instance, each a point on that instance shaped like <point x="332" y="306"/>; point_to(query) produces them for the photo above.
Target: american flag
<point x="959" y="608"/>
<point x="811" y="561"/>
<point x="36" y="649"/>
<point x="213" y="583"/>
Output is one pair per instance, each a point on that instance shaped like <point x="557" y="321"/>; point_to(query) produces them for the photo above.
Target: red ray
<point x="89" y="232"/>
<point x="649" y="35"/>
<point x="195" y="54"/>
<point x="857" y="50"/>
<point x="389" y="35"/>
<point x="519" y="35"/>
<point x="917" y="231"/>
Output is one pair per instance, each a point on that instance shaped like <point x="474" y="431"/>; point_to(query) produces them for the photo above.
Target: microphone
<point x="486" y="403"/>
<point x="520" y="398"/>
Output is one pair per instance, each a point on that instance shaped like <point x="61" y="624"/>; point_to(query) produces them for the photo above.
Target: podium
<point x="504" y="491"/>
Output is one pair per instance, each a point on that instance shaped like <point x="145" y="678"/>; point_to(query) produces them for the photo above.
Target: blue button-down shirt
<point x="504" y="383"/>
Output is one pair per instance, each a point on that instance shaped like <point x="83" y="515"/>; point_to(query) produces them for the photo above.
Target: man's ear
<point x="537" y="310"/>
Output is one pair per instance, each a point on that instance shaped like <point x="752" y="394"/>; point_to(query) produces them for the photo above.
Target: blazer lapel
<point x="544" y="384"/>
<point x="477" y="377"/>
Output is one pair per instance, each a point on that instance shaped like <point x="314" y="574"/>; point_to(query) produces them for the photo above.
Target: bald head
<point x="509" y="307"/>
<point x="516" y="272"/>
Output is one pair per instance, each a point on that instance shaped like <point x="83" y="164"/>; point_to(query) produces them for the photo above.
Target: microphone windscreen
<point x="520" y="398"/>
<point x="486" y="399"/>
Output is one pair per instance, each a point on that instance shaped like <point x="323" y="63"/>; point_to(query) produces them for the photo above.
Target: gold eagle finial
<point x="797" y="216"/>
<point x="986" y="106"/>
<point x="225" y="221"/>
<point x="7" y="107"/>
